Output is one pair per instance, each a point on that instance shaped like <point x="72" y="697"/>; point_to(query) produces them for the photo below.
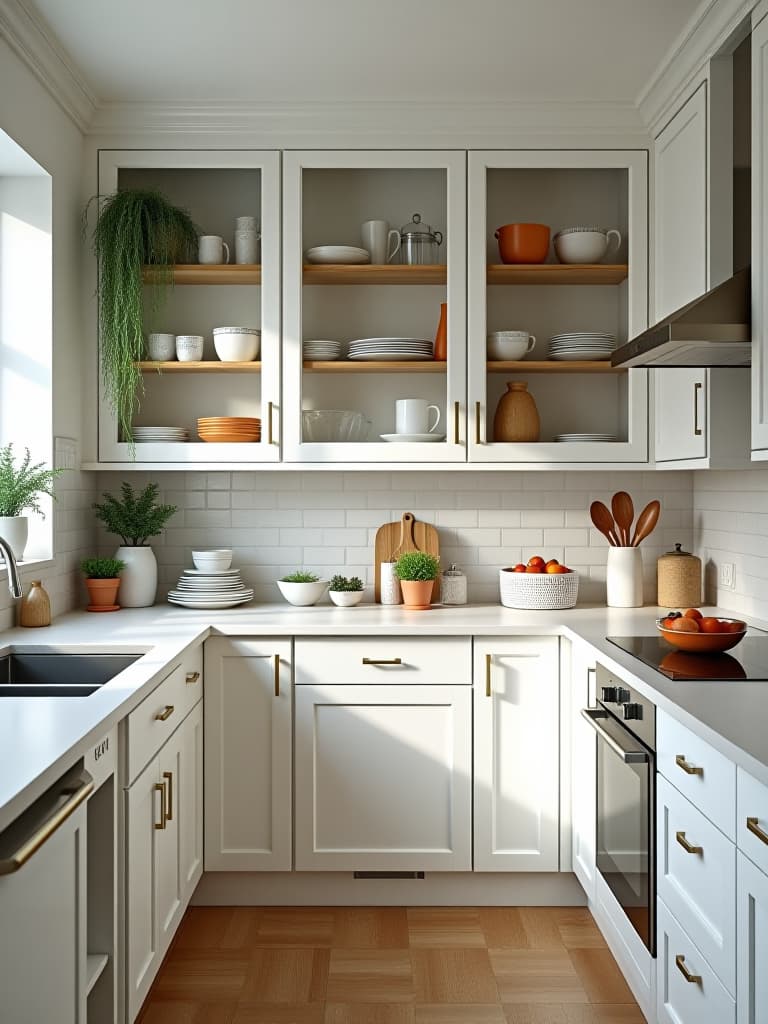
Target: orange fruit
<point x="683" y="625"/>
<point x="519" y="567"/>
<point x="709" y="625"/>
<point x="556" y="568"/>
<point x="534" y="568"/>
<point x="537" y="560"/>
<point x="693" y="613"/>
<point x="552" y="561"/>
<point x="666" y="622"/>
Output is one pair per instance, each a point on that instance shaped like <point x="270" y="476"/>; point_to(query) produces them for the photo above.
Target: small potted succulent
<point x="417" y="572"/>
<point x="102" y="578"/>
<point x="345" y="591"/>
<point x="302" y="588"/>
<point x="20" y="488"/>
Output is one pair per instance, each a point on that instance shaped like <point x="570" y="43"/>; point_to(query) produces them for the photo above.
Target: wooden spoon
<point x="623" y="513"/>
<point x="646" y="522"/>
<point x="603" y="520"/>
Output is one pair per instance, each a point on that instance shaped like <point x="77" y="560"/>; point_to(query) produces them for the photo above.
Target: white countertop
<point x="40" y="737"/>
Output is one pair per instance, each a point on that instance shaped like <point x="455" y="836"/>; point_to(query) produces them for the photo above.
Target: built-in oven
<point x="625" y="723"/>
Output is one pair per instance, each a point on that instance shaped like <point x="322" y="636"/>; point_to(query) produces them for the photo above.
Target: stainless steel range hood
<point x="713" y="330"/>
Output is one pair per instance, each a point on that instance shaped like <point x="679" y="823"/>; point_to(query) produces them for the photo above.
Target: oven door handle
<point x="627" y="756"/>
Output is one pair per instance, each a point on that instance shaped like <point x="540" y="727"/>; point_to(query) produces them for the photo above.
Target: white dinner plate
<point x="211" y="572"/>
<point x="412" y="437"/>
<point x="580" y="357"/>
<point x="391" y="357"/>
<point x="184" y="603"/>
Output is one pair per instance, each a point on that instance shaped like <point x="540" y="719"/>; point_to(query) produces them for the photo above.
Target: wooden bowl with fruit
<point x="696" y="633"/>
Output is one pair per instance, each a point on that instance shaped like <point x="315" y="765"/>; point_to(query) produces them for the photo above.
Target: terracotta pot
<point x="517" y="418"/>
<point x="523" y="243"/>
<point x="417" y="594"/>
<point x="102" y="595"/>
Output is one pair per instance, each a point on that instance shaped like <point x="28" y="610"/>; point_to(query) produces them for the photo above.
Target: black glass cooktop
<point x="748" y="660"/>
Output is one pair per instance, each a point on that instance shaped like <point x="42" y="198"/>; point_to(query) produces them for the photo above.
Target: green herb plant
<point x="102" y="568"/>
<point x="345" y="585"/>
<point x="417" y="565"/>
<point x="300" y="576"/>
<point x="21" y="485"/>
<point x="135" y="518"/>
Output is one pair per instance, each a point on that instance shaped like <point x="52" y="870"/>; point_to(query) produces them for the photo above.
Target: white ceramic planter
<point x="624" y="578"/>
<point x="346" y="598"/>
<point x="302" y="594"/>
<point x="14" y="530"/>
<point x="138" y="580"/>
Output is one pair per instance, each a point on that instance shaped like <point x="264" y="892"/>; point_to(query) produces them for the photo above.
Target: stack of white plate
<point x="582" y="345"/>
<point x="165" y="435"/>
<point x="198" y="588"/>
<point x="580" y="438"/>
<point x="390" y="349"/>
<point x="337" y="254"/>
<point x="322" y="350"/>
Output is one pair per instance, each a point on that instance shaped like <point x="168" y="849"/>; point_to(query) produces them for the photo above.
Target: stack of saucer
<point x="582" y="345"/>
<point x="201" y="588"/>
<point x="582" y="438"/>
<point x="322" y="350"/>
<point x="165" y="435"/>
<point x="390" y="349"/>
<point x="337" y="254"/>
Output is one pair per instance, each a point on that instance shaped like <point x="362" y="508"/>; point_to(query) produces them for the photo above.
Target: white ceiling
<point x="294" y="51"/>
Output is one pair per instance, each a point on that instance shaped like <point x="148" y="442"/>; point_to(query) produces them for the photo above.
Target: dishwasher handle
<point x="593" y="715"/>
<point x="74" y="788"/>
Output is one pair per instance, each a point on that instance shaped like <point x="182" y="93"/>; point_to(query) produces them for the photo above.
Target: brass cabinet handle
<point x="755" y="829"/>
<point x="270" y="431"/>
<point x="689" y="769"/>
<point x="696" y="390"/>
<point x="693" y="979"/>
<point x="162" y="716"/>
<point x="159" y="787"/>
<point x="276" y="669"/>
<point x="477" y="423"/>
<point x="191" y="677"/>
<point x="488" y="675"/>
<point x="382" y="661"/>
<point x="169" y="812"/>
<point x="456" y="417"/>
<point x="680" y="836"/>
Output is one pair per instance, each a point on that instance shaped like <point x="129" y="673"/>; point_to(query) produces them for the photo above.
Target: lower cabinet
<point x="517" y="754"/>
<point x="583" y="771"/>
<point x="752" y="942"/>
<point x="248" y="754"/>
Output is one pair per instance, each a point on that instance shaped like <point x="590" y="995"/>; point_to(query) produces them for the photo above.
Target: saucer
<point x="412" y="437"/>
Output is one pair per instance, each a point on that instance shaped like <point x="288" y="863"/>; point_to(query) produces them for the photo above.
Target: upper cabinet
<point x="759" y="240"/>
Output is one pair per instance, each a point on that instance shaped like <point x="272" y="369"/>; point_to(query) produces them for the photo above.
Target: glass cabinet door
<point x="366" y="377"/>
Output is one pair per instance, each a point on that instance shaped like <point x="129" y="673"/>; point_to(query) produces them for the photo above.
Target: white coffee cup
<point x="211" y="249"/>
<point x="189" y="348"/>
<point x="509" y="345"/>
<point x="376" y="236"/>
<point x="161" y="347"/>
<point x="412" y="416"/>
<point x="246" y="246"/>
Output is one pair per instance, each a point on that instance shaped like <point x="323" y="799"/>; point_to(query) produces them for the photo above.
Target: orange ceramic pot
<point x="523" y="243"/>
<point x="417" y="594"/>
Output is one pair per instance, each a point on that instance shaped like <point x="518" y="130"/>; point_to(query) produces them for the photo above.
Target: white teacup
<point x="189" y="348"/>
<point x="509" y="346"/>
<point x="161" y="347"/>
<point x="211" y="249"/>
<point x="412" y="416"/>
<point x="584" y="245"/>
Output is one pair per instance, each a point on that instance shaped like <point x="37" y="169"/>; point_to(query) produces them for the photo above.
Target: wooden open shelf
<point x="383" y="366"/>
<point x="373" y="273"/>
<point x="223" y="273"/>
<point x="553" y="366"/>
<point x="556" y="273"/>
<point x="212" y="366"/>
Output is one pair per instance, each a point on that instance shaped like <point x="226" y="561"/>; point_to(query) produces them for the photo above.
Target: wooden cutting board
<point x="407" y="534"/>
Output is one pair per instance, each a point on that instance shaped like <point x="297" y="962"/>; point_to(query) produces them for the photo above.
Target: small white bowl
<point x="302" y="594"/>
<point x="214" y="560"/>
<point x="346" y="598"/>
<point x="236" y="344"/>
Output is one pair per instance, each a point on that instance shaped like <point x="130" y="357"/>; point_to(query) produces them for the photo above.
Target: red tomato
<point x="709" y="625"/>
<point x="537" y="560"/>
<point x="519" y="567"/>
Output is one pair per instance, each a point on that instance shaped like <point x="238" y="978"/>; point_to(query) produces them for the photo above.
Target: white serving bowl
<point x="236" y="344"/>
<point x="509" y="345"/>
<point x="302" y="594"/>
<point x="213" y="560"/>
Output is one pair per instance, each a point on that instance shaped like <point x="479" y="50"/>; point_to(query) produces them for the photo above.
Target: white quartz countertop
<point x="40" y="737"/>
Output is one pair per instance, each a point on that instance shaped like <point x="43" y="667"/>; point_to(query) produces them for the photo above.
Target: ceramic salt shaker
<point x="453" y="587"/>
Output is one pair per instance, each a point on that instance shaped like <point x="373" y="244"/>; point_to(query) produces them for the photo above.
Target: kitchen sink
<point x="25" y="674"/>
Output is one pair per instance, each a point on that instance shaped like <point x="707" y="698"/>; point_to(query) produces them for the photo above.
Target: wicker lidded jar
<point x="517" y="418"/>
<point x="678" y="575"/>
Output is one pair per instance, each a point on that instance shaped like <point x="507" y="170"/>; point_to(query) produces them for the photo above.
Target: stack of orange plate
<point x="229" y="428"/>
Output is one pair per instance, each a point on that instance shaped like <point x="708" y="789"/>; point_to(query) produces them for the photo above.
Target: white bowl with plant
<point x="302" y="588"/>
<point x="345" y="591"/>
<point x="21" y="486"/>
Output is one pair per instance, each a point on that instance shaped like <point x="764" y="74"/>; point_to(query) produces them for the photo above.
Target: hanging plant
<point x="135" y="227"/>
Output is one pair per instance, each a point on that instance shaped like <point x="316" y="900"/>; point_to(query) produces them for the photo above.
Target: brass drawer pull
<point x="159" y="787"/>
<point x="162" y="716"/>
<point x="755" y="829"/>
<point x="477" y="423"/>
<point x="276" y="670"/>
<point x="689" y="769"/>
<point x="382" y="661"/>
<point x="692" y="979"/>
<point x="456" y="412"/>
<point x="680" y="836"/>
<point x="169" y="813"/>
<point x="488" y="675"/>
<point x="191" y="677"/>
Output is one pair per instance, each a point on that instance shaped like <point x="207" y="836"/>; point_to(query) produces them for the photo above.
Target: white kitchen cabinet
<point x="583" y="770"/>
<point x="385" y="778"/>
<point x="752" y="942"/>
<point x="517" y="754"/>
<point x="760" y="240"/>
<point x="248" y="754"/>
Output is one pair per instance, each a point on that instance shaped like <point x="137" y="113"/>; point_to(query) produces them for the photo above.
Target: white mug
<point x="376" y="236"/>
<point x="246" y="246"/>
<point x="211" y="249"/>
<point x="412" y="416"/>
<point x="189" y="348"/>
<point x="161" y="347"/>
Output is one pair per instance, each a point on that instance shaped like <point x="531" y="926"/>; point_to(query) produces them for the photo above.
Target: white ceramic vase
<point x="389" y="584"/>
<point x="624" y="578"/>
<point x="138" y="580"/>
<point x="14" y="530"/>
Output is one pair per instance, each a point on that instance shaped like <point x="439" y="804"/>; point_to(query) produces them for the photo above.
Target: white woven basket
<point x="538" y="590"/>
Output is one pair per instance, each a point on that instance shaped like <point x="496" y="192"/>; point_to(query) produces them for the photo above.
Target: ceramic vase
<point x="440" y="348"/>
<point x="138" y="582"/>
<point x="35" y="609"/>
<point x="517" y="418"/>
<point x="390" y="592"/>
<point x="14" y="530"/>
<point x="102" y="595"/>
<point x="624" y="578"/>
<point x="417" y="594"/>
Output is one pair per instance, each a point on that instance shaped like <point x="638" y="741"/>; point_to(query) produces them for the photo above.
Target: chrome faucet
<point x="14" y="582"/>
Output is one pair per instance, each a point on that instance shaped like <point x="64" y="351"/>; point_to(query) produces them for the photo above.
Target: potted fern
<point x="417" y="572"/>
<point x="102" y="579"/>
<point x="135" y="518"/>
<point x="21" y="486"/>
<point x="135" y="227"/>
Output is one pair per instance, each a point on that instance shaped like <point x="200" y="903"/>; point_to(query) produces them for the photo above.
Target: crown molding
<point x="31" y="39"/>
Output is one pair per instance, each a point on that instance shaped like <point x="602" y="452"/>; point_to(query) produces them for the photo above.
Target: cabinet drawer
<point x="687" y="989"/>
<point x="402" y="660"/>
<point x="159" y="714"/>
<point x="697" y="879"/>
<point x="699" y="771"/>
<point x="752" y="818"/>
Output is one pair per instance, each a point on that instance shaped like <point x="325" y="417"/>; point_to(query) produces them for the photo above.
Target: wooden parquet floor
<point x="389" y="965"/>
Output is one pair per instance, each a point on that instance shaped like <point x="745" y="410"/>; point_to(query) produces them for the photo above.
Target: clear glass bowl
<point x="331" y="425"/>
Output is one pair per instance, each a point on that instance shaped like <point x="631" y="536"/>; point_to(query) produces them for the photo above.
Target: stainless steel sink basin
<point x="58" y="675"/>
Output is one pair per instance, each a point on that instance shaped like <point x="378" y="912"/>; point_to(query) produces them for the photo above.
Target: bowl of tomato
<point x="696" y="633"/>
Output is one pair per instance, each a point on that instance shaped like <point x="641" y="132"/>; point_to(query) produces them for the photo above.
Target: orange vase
<point x="440" y="349"/>
<point x="517" y="418"/>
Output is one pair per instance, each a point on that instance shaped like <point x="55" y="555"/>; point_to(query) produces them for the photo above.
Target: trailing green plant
<point x="345" y="585"/>
<point x="134" y="227"/>
<point x="21" y="485"/>
<point x="417" y="565"/>
<point x="135" y="518"/>
<point x="102" y="568"/>
<point x="300" y="576"/>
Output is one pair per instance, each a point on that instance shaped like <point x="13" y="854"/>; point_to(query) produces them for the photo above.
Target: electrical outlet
<point x="727" y="575"/>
